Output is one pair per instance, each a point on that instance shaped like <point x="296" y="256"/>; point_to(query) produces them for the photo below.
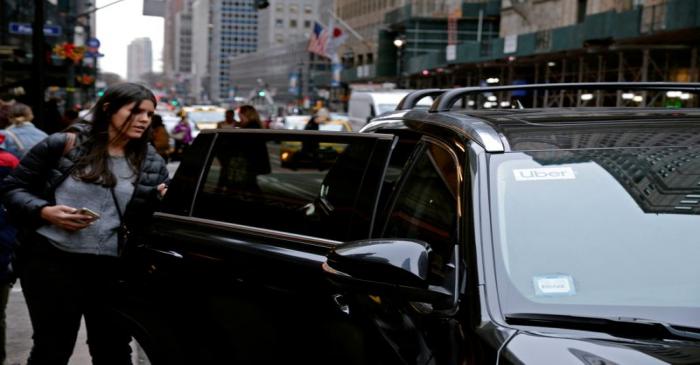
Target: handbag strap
<point x="116" y="203"/>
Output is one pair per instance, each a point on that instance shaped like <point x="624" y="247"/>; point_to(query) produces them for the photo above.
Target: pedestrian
<point x="249" y="117"/>
<point x="8" y="162"/>
<point x="75" y="193"/>
<point x="53" y="119"/>
<point x="228" y="122"/>
<point x="160" y="137"/>
<point x="182" y="134"/>
<point x="21" y="133"/>
<point x="70" y="116"/>
<point x="310" y="149"/>
<point x="242" y="163"/>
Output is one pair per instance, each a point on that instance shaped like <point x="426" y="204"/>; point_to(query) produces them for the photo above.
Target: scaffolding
<point x="644" y="62"/>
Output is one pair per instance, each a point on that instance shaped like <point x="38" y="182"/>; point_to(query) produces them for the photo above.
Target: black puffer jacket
<point x="31" y="186"/>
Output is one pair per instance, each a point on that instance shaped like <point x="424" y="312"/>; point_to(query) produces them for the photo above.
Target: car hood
<point x="530" y="348"/>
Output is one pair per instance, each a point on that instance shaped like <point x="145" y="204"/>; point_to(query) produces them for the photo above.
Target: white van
<point x="365" y="105"/>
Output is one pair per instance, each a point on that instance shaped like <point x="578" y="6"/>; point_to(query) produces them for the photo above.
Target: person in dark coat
<point x="7" y="245"/>
<point x="68" y="257"/>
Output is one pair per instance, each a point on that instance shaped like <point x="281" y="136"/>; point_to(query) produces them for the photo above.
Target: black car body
<point x="534" y="236"/>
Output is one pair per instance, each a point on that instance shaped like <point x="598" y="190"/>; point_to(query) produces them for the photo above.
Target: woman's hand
<point x="162" y="189"/>
<point x="65" y="217"/>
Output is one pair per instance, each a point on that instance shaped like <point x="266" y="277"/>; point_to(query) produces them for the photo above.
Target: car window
<point x="606" y="231"/>
<point x="302" y="184"/>
<point x="426" y="205"/>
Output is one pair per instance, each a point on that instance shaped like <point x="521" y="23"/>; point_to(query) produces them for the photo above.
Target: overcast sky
<point x="118" y="25"/>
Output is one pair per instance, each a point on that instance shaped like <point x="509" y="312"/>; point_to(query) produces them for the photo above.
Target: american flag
<point x="318" y="40"/>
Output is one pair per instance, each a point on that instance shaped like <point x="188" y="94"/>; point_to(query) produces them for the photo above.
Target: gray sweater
<point x="100" y="238"/>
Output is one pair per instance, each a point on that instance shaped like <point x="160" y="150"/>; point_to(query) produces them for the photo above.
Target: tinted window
<point x="426" y="205"/>
<point x="182" y="188"/>
<point x="299" y="184"/>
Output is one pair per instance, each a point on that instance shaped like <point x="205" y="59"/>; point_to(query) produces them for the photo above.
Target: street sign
<point x="93" y="43"/>
<point x="26" y="29"/>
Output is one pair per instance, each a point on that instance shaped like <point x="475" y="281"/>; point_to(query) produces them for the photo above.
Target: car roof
<point x="582" y="128"/>
<point x="506" y="130"/>
<point x="552" y="128"/>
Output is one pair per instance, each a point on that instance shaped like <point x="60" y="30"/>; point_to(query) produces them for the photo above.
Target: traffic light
<point x="100" y="92"/>
<point x="261" y="93"/>
<point x="174" y="102"/>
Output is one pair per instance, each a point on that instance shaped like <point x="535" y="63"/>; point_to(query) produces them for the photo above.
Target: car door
<point x="425" y="203"/>
<point x="234" y="256"/>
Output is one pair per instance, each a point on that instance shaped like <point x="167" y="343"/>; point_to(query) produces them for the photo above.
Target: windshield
<point x="608" y="232"/>
<point x="203" y="117"/>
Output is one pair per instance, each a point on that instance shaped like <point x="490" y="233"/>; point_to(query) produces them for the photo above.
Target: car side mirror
<point x="395" y="267"/>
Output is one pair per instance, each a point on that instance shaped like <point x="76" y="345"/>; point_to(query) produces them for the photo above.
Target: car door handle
<point x="170" y="253"/>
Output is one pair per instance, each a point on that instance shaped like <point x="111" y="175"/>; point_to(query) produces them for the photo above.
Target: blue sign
<point x="26" y="29"/>
<point x="93" y="43"/>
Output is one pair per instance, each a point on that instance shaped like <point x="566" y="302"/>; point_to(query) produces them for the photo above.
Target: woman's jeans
<point x="60" y="288"/>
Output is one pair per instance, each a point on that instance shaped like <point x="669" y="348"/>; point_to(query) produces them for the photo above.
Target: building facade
<point x="139" y="59"/>
<point x="70" y="82"/>
<point x="221" y="29"/>
<point x="285" y="22"/>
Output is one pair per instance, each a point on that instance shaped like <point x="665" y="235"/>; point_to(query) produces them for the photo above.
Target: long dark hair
<point x="251" y="115"/>
<point x="94" y="165"/>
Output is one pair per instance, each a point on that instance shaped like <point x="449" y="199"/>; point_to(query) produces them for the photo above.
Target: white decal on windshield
<point x="544" y="173"/>
<point x="554" y="285"/>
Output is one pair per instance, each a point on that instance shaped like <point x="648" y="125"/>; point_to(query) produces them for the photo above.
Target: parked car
<point x="441" y="236"/>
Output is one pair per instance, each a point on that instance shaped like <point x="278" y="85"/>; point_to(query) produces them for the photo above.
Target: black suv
<point x="434" y="236"/>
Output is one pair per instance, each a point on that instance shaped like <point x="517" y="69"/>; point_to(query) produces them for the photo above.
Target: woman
<point x="182" y="134"/>
<point x="68" y="258"/>
<point x="249" y="117"/>
<point x="160" y="137"/>
<point x="21" y="134"/>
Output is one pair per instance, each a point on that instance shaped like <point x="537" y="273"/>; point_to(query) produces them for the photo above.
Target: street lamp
<point x="399" y="43"/>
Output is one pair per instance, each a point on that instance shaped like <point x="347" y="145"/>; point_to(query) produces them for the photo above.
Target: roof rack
<point x="411" y="100"/>
<point x="447" y="99"/>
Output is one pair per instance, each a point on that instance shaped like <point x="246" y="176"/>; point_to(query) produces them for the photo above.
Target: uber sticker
<point x="544" y="173"/>
<point x="554" y="285"/>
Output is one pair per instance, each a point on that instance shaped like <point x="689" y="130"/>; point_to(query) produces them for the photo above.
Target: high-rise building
<point x="139" y="59"/>
<point x="177" y="45"/>
<point x="285" y="22"/>
<point x="220" y="29"/>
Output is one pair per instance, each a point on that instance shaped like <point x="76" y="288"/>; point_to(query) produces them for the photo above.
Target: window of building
<point x="307" y="23"/>
<point x="308" y="9"/>
<point x="279" y="7"/>
<point x="279" y="23"/>
<point x="279" y="38"/>
<point x="293" y="8"/>
<point x="292" y="23"/>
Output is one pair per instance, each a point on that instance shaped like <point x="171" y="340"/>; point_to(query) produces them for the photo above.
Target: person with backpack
<point x="77" y="194"/>
<point x="21" y="134"/>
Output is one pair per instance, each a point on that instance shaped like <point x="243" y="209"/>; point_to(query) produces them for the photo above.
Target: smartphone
<point x="86" y="211"/>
